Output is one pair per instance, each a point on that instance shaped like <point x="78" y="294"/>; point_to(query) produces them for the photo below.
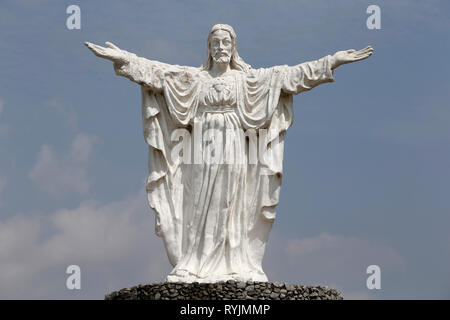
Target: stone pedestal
<point x="230" y="290"/>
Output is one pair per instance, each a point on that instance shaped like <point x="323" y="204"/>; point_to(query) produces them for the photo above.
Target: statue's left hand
<point x="112" y="52"/>
<point x="348" y="56"/>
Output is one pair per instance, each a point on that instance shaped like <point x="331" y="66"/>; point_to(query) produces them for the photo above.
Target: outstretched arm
<point x="307" y="75"/>
<point x="127" y="64"/>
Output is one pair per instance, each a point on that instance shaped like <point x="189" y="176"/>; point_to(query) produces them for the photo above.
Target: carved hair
<point x="236" y="61"/>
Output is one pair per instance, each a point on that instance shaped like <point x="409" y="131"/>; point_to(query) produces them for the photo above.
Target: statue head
<point x="222" y="48"/>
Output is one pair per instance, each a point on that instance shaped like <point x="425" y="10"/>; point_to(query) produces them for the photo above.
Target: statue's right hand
<point x="112" y="52"/>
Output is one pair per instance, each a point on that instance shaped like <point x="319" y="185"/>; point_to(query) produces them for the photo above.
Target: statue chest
<point x="220" y="91"/>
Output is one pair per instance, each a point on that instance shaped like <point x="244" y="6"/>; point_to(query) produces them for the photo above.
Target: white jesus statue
<point x="215" y="216"/>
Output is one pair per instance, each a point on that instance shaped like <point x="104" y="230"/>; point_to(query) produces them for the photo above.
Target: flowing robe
<point x="215" y="217"/>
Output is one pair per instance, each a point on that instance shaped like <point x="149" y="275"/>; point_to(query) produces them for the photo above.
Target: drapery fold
<point x="264" y="101"/>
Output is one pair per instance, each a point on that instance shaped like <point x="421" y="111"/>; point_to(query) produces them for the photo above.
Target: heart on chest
<point x="219" y="87"/>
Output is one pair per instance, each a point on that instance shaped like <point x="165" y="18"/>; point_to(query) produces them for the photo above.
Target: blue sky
<point x="366" y="165"/>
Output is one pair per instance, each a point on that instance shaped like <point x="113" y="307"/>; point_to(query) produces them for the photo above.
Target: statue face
<point x="221" y="46"/>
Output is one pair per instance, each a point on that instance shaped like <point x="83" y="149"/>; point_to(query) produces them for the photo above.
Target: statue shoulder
<point x="180" y="73"/>
<point x="262" y="73"/>
<point x="177" y="69"/>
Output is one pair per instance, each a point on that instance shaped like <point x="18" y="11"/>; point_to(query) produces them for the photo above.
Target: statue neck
<point x="219" y="69"/>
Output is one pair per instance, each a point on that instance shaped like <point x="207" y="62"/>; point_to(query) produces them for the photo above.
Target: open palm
<point x="111" y="52"/>
<point x="348" y="56"/>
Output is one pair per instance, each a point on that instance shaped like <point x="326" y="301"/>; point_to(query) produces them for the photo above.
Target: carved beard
<point x="222" y="58"/>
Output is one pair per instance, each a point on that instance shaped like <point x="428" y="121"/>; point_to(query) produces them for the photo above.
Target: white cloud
<point x="82" y="148"/>
<point x="333" y="260"/>
<point x="114" y="245"/>
<point x="298" y="247"/>
<point x="64" y="174"/>
<point x="342" y="248"/>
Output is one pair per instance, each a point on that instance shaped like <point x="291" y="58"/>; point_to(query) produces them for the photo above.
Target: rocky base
<point x="230" y="290"/>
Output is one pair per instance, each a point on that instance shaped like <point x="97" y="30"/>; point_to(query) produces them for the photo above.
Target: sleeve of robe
<point x="169" y="101"/>
<point x="144" y="71"/>
<point x="266" y="102"/>
<point x="307" y="75"/>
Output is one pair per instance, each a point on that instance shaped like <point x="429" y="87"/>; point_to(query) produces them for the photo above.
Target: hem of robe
<point x="156" y="114"/>
<point x="188" y="277"/>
